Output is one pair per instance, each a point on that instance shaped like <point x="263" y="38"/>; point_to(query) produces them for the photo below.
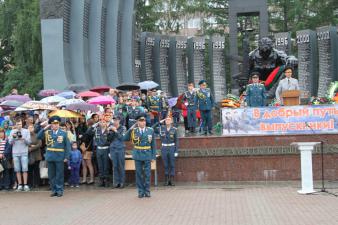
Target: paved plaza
<point x="231" y="203"/>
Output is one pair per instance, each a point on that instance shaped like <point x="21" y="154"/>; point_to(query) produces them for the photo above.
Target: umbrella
<point x="70" y="101"/>
<point x="10" y="104"/>
<point x="52" y="99"/>
<point x="37" y="105"/>
<point x="21" y="109"/>
<point x="48" y="92"/>
<point x="82" y="107"/>
<point x="172" y="101"/>
<point x="77" y="87"/>
<point x="148" y="84"/>
<point x="64" y="114"/>
<point x="179" y="103"/>
<point x="67" y="94"/>
<point x="101" y="89"/>
<point x="101" y="100"/>
<point x="19" y="98"/>
<point x="88" y="94"/>
<point x="128" y="87"/>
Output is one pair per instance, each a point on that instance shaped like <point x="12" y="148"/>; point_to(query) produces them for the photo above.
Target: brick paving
<point x="231" y="203"/>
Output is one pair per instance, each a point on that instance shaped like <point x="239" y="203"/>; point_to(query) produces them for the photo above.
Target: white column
<point x="306" y="149"/>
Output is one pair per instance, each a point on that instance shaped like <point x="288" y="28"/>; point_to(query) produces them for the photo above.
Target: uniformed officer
<point x="57" y="153"/>
<point x="169" y="149"/>
<point x="154" y="106"/>
<point x="117" y="151"/>
<point x="205" y="103"/>
<point x="255" y="92"/>
<point x="143" y="152"/>
<point x="133" y="111"/>
<point x="189" y="99"/>
<point x="99" y="133"/>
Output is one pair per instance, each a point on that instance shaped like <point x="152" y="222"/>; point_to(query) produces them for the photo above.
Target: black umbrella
<point x="128" y="87"/>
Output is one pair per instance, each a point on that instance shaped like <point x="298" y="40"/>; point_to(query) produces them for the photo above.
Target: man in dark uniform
<point x="154" y="106"/>
<point x="169" y="149"/>
<point x="133" y="111"/>
<point x="189" y="99"/>
<point x="205" y="103"/>
<point x="57" y="153"/>
<point x="255" y="92"/>
<point x="117" y="151"/>
<point x="143" y="153"/>
<point x="99" y="133"/>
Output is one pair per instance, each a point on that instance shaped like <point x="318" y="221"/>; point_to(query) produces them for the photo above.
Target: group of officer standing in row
<point x="109" y="134"/>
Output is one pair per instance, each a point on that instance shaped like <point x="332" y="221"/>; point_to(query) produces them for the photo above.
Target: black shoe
<point x="117" y="186"/>
<point x="147" y="195"/>
<point x="102" y="183"/>
<point x="140" y="195"/>
<point x="205" y="133"/>
<point x="59" y="195"/>
<point x="172" y="181"/>
<point x="53" y="195"/>
<point x="210" y="132"/>
<point x="166" y="181"/>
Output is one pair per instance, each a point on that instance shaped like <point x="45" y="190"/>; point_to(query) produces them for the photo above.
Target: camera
<point x="19" y="134"/>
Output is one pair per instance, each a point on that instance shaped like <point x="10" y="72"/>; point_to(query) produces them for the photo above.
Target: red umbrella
<point x="179" y="103"/>
<point x="101" y="100"/>
<point x="88" y="94"/>
<point x="101" y="89"/>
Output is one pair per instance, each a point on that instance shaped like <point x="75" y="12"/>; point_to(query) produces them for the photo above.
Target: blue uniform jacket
<point x="168" y="136"/>
<point x="116" y="139"/>
<point x="144" y="144"/>
<point x="100" y="138"/>
<point x="190" y="98"/>
<point x="255" y="95"/>
<point x="57" y="144"/>
<point x="204" y="99"/>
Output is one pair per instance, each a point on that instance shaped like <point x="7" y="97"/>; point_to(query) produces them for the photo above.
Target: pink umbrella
<point x="101" y="100"/>
<point x="48" y="92"/>
<point x="88" y="94"/>
<point x="19" y="98"/>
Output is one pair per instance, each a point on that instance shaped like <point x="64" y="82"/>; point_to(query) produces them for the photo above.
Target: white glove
<point x="176" y="154"/>
<point x="109" y="156"/>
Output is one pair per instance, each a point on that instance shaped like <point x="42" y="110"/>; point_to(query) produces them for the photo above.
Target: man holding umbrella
<point x="57" y="153"/>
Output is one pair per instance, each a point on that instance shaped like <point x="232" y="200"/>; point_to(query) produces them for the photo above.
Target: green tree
<point x="21" y="52"/>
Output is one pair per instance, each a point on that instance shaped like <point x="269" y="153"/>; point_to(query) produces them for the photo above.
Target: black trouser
<point x="34" y="174"/>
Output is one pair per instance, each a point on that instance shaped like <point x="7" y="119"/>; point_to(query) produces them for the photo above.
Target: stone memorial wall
<point x="178" y="64"/>
<point x="196" y="59"/>
<point x="217" y="67"/>
<point x="283" y="42"/>
<point x="327" y="54"/>
<point x="162" y="44"/>
<point x="147" y="56"/>
<point x="307" y="62"/>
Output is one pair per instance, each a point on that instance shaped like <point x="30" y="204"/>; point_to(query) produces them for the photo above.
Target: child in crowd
<point x="74" y="164"/>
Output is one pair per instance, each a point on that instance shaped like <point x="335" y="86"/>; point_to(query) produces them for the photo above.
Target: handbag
<point x="43" y="169"/>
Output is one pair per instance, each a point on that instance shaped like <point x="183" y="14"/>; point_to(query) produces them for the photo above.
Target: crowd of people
<point x="78" y="149"/>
